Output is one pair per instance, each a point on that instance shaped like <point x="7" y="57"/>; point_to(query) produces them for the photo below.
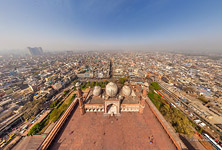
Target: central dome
<point x="111" y="89"/>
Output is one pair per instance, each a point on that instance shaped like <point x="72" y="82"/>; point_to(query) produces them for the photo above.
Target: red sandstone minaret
<point x="144" y="93"/>
<point x="80" y="98"/>
<point x="142" y="101"/>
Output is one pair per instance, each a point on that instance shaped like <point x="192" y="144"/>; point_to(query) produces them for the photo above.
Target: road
<point x="177" y="98"/>
<point x="6" y="126"/>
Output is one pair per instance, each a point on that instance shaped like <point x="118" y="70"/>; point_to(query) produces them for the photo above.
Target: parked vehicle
<point x="217" y="146"/>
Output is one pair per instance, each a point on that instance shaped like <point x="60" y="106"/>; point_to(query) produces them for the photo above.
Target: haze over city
<point x="175" y="25"/>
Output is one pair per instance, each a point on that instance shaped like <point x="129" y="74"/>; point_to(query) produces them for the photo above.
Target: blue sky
<point x="111" y="24"/>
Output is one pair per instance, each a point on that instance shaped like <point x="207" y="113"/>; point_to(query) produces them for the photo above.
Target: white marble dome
<point x="97" y="91"/>
<point x="126" y="90"/>
<point x="111" y="89"/>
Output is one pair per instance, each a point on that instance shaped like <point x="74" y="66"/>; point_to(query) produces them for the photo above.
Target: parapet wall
<point x="45" y="144"/>
<point x="130" y="107"/>
<point x="94" y="107"/>
<point x="123" y="107"/>
<point x="169" y="130"/>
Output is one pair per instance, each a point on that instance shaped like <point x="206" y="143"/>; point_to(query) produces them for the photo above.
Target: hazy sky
<point x="111" y="24"/>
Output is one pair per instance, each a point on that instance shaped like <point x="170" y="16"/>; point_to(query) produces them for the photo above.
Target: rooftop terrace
<point x="129" y="131"/>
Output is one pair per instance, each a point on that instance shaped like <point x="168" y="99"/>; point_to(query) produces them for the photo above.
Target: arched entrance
<point x="111" y="109"/>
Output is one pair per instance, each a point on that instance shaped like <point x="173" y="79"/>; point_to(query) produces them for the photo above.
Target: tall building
<point x="35" y="51"/>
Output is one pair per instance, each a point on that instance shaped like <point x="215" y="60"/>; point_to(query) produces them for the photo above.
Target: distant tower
<point x="142" y="101"/>
<point x="35" y="51"/>
<point x="80" y="98"/>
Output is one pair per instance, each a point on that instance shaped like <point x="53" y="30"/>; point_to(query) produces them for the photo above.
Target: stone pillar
<point x="80" y="98"/>
<point x="105" y="108"/>
<point x="79" y="93"/>
<point x="81" y="106"/>
<point x="142" y="105"/>
<point x="142" y="101"/>
<point x="144" y="93"/>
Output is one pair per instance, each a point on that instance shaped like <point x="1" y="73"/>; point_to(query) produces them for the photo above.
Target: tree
<point x="156" y="96"/>
<point x="201" y="130"/>
<point x="180" y="122"/>
<point x="92" y="84"/>
<point x="156" y="86"/>
<point x="122" y="80"/>
<point x="102" y="84"/>
<point x="83" y="86"/>
<point x="165" y="109"/>
<point x="88" y="84"/>
<point x="65" y="92"/>
<point x="151" y="88"/>
<point x="106" y="82"/>
<point x="53" y="104"/>
<point x="36" y="109"/>
<point x="35" y="129"/>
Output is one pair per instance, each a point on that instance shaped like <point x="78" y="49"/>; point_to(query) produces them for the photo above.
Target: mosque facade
<point x="113" y="100"/>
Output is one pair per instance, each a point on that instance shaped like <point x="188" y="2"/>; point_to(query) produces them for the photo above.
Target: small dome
<point x="126" y="90"/>
<point x="97" y="91"/>
<point x="111" y="89"/>
<point x="77" y="84"/>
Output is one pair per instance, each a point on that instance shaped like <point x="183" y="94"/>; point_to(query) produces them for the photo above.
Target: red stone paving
<point x="128" y="131"/>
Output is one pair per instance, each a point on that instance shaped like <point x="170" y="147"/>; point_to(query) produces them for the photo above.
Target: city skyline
<point x="111" y="25"/>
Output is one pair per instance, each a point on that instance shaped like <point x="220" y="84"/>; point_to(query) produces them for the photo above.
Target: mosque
<point x="90" y="125"/>
<point x="113" y="100"/>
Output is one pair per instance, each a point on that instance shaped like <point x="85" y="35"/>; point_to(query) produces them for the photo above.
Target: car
<point x="2" y="142"/>
<point x="25" y="127"/>
<point x="202" y="124"/>
<point x="22" y="131"/>
<point x="3" y="145"/>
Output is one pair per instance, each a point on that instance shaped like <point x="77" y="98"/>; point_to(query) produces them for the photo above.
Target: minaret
<point x="80" y="98"/>
<point x="142" y="101"/>
<point x="144" y="92"/>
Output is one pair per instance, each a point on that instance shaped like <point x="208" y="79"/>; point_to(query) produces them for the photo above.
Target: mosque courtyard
<point x="130" y="130"/>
